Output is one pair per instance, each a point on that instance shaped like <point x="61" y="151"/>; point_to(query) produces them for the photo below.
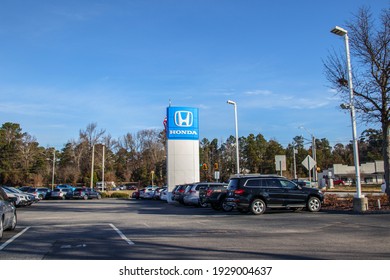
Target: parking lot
<point x="146" y="229"/>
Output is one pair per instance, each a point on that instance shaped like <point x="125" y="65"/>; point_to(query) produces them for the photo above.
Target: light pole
<point x="295" y="151"/>
<point x="54" y="165"/>
<point x="103" y="186"/>
<point x="92" y="165"/>
<point x="236" y="124"/>
<point x="342" y="32"/>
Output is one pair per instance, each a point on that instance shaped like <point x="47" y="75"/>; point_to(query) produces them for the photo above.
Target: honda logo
<point x="184" y="118"/>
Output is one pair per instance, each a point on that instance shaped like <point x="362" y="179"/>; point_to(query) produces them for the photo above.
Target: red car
<point x="339" y="182"/>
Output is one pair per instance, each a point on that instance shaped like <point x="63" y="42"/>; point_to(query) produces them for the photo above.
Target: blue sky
<point x="66" y="64"/>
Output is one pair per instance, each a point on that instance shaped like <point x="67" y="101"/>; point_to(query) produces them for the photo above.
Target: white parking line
<point x="13" y="238"/>
<point x="122" y="235"/>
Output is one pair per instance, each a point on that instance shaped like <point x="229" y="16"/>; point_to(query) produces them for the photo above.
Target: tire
<point x="314" y="204"/>
<point x="258" y="206"/>
<point x="1" y="228"/>
<point x="225" y="207"/>
<point x="14" y="222"/>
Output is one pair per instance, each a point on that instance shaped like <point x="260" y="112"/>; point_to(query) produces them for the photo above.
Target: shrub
<point x="119" y="195"/>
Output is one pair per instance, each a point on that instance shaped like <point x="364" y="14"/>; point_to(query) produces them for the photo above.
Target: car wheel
<point x="14" y="222"/>
<point x="1" y="228"/>
<point x="85" y="197"/>
<point x="258" y="207"/>
<point x="226" y="207"/>
<point x="314" y="204"/>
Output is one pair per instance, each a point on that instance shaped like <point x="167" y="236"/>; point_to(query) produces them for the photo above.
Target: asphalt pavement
<point x="115" y="229"/>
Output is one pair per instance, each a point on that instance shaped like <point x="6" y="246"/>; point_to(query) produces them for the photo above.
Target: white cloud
<point x="258" y="92"/>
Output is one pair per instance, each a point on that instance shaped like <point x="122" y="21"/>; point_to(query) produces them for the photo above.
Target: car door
<point x="275" y="192"/>
<point x="294" y="195"/>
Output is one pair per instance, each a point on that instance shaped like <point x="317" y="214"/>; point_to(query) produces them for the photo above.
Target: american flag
<point x="165" y="123"/>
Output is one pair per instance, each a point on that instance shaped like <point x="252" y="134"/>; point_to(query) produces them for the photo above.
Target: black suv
<point x="256" y="193"/>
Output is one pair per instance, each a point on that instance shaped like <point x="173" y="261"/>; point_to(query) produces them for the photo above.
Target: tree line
<point x="141" y="157"/>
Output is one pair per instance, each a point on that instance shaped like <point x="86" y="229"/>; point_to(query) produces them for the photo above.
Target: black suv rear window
<point x="233" y="184"/>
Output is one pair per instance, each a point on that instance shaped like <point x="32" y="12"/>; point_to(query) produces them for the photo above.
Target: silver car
<point x="8" y="218"/>
<point x="191" y="194"/>
<point x="21" y="199"/>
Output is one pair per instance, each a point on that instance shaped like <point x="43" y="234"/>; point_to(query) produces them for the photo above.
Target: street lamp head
<point x="339" y="31"/>
<point x="231" y="102"/>
<point x="345" y="106"/>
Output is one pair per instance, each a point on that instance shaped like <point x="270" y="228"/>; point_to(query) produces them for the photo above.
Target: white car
<point x="164" y="194"/>
<point x="20" y="198"/>
<point x="8" y="218"/>
<point x="148" y="192"/>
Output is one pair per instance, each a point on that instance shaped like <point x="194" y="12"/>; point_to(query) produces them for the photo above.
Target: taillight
<point x="209" y="192"/>
<point x="239" y="192"/>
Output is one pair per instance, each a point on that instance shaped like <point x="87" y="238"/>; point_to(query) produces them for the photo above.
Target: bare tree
<point x="370" y="47"/>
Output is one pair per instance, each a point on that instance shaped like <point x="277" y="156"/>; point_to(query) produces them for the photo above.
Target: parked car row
<point x="151" y="192"/>
<point x="252" y="193"/>
<point x="195" y="193"/>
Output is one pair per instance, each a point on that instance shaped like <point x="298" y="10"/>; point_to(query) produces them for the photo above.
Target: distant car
<point x="65" y="186"/>
<point x="85" y="193"/>
<point x="178" y="193"/>
<point x="148" y="192"/>
<point x="157" y="193"/>
<point x="60" y="193"/>
<point x="39" y="193"/>
<point x="8" y="217"/>
<point x="339" y="182"/>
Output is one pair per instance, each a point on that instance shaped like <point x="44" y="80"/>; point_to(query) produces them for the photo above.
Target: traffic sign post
<point x="309" y="163"/>
<point x="280" y="163"/>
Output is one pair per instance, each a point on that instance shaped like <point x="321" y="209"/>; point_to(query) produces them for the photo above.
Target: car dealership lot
<point x="147" y="229"/>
